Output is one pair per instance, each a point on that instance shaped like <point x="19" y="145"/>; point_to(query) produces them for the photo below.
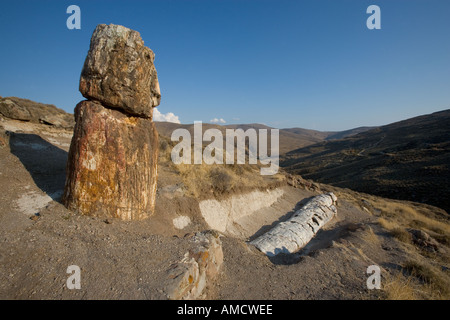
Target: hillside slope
<point x="407" y="160"/>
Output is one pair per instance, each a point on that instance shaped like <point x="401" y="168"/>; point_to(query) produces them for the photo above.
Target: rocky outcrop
<point x="425" y="241"/>
<point x="112" y="163"/>
<point x="119" y="71"/>
<point x="201" y="264"/>
<point x="27" y="110"/>
<point x="296" y="232"/>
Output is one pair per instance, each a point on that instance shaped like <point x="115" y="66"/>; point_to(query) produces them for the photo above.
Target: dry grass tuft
<point x="369" y="235"/>
<point x="399" y="287"/>
<point x="413" y="215"/>
<point x="221" y="179"/>
<point x="396" y="230"/>
<point x="396" y="217"/>
<point x="402" y="235"/>
<point x="421" y="281"/>
<point x="436" y="283"/>
<point x="203" y="180"/>
<point x="387" y="224"/>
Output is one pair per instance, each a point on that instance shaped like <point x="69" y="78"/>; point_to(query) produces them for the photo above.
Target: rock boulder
<point x="187" y="279"/>
<point x="119" y="71"/>
<point x="12" y="110"/>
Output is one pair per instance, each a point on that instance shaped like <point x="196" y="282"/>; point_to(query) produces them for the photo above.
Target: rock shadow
<point x="45" y="162"/>
<point x="322" y="240"/>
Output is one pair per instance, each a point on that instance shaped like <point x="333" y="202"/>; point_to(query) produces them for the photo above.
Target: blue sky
<point x="311" y="64"/>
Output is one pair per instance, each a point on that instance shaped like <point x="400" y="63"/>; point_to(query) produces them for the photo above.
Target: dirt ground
<point x="40" y="239"/>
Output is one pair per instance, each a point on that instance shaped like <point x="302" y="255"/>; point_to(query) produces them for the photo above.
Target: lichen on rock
<point x="112" y="168"/>
<point x="119" y="71"/>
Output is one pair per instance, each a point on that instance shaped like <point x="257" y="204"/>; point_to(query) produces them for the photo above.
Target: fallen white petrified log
<point x="297" y="231"/>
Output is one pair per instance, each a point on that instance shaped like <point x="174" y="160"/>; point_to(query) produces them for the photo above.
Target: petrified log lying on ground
<point x="295" y="233"/>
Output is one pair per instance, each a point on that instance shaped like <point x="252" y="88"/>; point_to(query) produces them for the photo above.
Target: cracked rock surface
<point x="119" y="71"/>
<point x="295" y="233"/>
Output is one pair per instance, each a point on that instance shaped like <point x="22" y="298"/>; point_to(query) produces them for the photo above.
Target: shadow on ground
<point x="45" y="162"/>
<point x="322" y="240"/>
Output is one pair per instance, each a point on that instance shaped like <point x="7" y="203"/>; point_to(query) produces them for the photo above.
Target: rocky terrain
<point x="119" y="259"/>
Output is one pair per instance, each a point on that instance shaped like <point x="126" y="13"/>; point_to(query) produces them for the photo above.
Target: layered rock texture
<point x="112" y="164"/>
<point x="200" y="265"/>
<point x="293" y="234"/>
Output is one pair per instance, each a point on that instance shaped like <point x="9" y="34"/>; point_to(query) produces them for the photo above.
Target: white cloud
<point x="168" y="117"/>
<point x="215" y="120"/>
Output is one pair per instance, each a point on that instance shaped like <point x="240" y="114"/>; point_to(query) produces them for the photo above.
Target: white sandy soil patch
<point x="181" y="222"/>
<point x="223" y="215"/>
<point x="32" y="202"/>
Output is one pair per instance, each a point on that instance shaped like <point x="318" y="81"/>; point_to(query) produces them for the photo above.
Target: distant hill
<point x="294" y="138"/>
<point x="290" y="139"/>
<point x="407" y="160"/>
<point x="347" y="133"/>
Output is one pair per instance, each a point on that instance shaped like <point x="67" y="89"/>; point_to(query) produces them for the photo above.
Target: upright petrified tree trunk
<point x="112" y="164"/>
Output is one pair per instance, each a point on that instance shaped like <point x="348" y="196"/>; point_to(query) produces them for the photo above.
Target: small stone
<point x="35" y="217"/>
